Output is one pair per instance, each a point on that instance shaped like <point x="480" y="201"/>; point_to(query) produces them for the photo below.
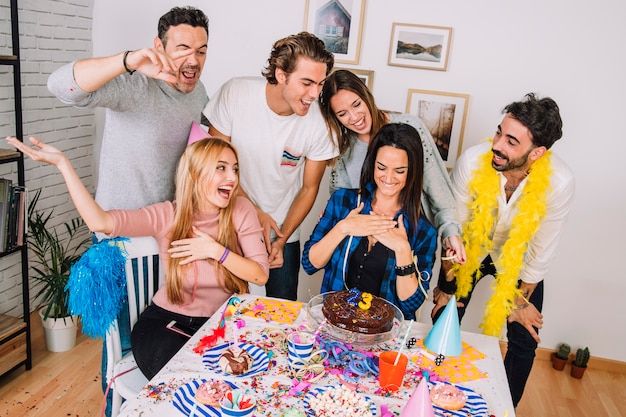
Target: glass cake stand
<point x="316" y="319"/>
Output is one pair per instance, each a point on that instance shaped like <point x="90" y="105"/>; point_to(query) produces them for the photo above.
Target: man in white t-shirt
<point x="283" y="145"/>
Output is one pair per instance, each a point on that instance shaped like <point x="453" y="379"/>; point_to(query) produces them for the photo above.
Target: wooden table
<point x="271" y="386"/>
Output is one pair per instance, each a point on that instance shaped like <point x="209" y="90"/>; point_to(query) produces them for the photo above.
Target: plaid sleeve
<point x="424" y="244"/>
<point x="337" y="208"/>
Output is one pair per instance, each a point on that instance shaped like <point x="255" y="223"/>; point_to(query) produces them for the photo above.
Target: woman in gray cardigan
<point x="353" y="118"/>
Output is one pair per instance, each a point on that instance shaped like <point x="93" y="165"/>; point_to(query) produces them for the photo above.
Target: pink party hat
<point x="419" y="405"/>
<point x="196" y="133"/>
<point x="445" y="336"/>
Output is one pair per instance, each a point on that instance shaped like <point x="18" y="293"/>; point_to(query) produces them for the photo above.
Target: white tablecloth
<point x="270" y="387"/>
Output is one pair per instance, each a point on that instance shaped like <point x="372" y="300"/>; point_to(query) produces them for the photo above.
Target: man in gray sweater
<point x="151" y="96"/>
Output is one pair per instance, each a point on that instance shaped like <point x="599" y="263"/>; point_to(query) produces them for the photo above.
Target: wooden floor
<point x="68" y="385"/>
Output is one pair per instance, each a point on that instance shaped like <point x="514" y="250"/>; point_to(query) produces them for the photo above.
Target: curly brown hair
<point x="286" y="51"/>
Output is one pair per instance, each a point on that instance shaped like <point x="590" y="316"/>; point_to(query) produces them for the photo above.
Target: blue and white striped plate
<point x="260" y="364"/>
<point x="314" y="392"/>
<point x="184" y="400"/>
<point x="475" y="405"/>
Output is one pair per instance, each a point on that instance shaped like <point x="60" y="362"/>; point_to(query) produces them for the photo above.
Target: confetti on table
<point x="279" y="311"/>
<point x="459" y="368"/>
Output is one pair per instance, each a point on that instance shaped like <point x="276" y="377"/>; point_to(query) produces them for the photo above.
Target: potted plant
<point x="560" y="357"/>
<point x="54" y="255"/>
<point x="580" y="362"/>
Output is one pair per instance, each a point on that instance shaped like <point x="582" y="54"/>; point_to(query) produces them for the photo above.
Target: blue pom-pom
<point x="97" y="286"/>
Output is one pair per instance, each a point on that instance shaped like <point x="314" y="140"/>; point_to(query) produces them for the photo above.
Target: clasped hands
<point x="380" y="227"/>
<point x="275" y="248"/>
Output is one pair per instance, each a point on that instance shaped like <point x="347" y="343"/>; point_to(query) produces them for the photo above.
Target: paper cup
<point x="390" y="376"/>
<point x="299" y="348"/>
<point x="230" y="410"/>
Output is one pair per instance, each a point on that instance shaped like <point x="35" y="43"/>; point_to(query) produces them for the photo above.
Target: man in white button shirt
<point x="513" y="196"/>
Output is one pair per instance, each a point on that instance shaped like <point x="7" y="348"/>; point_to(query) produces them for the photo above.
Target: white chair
<point x="142" y="281"/>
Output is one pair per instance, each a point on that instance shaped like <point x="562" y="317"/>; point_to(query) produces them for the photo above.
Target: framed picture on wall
<point x="420" y="46"/>
<point x="339" y="23"/>
<point x="366" y="75"/>
<point x="444" y="115"/>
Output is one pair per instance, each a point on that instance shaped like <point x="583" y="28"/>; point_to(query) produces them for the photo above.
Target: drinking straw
<point x="406" y="336"/>
<point x="319" y="329"/>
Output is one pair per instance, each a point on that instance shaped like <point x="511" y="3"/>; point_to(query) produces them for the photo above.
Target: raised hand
<point x="156" y="64"/>
<point x="40" y="151"/>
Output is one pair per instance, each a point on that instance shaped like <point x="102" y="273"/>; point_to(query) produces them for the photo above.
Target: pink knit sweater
<point x="156" y="220"/>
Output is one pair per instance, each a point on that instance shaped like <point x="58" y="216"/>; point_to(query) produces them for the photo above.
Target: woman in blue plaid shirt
<point x="375" y="239"/>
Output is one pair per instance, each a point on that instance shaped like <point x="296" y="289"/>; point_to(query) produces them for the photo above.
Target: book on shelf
<point x="12" y="215"/>
<point x="5" y="196"/>
<point x="22" y="213"/>
<point x="15" y="229"/>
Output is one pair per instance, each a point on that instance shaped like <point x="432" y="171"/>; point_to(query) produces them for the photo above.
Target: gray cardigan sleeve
<point x="437" y="199"/>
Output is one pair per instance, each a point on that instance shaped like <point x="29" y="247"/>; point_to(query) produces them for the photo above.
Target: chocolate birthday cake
<point x="358" y="312"/>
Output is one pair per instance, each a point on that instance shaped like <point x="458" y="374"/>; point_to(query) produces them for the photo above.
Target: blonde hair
<point x="195" y="169"/>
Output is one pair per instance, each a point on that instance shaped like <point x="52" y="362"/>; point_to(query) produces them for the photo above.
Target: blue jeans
<point x="283" y="282"/>
<point x="520" y="354"/>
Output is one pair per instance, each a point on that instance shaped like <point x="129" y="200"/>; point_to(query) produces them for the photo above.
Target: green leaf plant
<point x="54" y="256"/>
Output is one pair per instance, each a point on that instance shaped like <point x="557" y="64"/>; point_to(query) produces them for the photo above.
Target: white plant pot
<point x="60" y="333"/>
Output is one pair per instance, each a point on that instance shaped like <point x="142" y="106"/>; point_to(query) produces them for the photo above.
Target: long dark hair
<point x="405" y="137"/>
<point x="347" y="80"/>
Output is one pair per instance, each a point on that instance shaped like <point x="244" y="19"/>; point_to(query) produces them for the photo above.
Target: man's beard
<point x="510" y="164"/>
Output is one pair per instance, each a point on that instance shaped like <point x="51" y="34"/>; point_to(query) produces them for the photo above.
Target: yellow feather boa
<point x="484" y="188"/>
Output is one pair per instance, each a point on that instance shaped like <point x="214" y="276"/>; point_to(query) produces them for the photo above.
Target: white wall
<point x="500" y="51"/>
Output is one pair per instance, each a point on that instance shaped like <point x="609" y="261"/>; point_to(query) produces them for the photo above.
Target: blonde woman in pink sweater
<point x="210" y="241"/>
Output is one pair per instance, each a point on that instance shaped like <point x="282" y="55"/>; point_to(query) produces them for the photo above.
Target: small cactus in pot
<point x="582" y="357"/>
<point x="580" y="362"/>
<point x="560" y="357"/>
<point x="563" y="352"/>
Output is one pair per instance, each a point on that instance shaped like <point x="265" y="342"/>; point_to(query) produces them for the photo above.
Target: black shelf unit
<point x="15" y="337"/>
